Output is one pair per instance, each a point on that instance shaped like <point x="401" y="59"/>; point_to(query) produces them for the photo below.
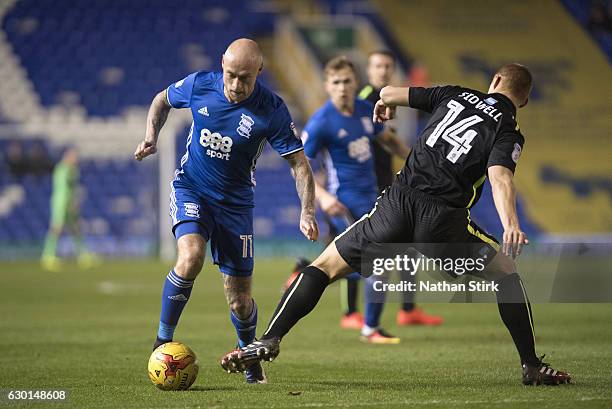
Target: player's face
<point x="239" y="79"/>
<point x="71" y="157"/>
<point x="341" y="86"/>
<point x="380" y="70"/>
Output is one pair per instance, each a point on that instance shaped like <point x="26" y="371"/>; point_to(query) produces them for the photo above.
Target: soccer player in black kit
<point x="471" y="135"/>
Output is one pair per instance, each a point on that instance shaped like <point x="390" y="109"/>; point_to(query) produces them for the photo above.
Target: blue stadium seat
<point x="581" y="10"/>
<point x="114" y="54"/>
<point x="27" y="221"/>
<point x="66" y="45"/>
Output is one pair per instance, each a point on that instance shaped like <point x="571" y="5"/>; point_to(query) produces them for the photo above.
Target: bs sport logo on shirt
<point x="218" y="146"/>
<point x="359" y="149"/>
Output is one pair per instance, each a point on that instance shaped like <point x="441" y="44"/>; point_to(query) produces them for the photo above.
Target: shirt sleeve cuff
<point x="293" y="151"/>
<point x="168" y="97"/>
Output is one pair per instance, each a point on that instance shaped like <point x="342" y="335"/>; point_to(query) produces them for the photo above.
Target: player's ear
<point x="496" y="81"/>
<point x="222" y="58"/>
<point x="525" y="103"/>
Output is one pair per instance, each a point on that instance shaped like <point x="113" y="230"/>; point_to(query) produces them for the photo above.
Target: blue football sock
<point x="175" y="295"/>
<point x="245" y="329"/>
<point x="374" y="302"/>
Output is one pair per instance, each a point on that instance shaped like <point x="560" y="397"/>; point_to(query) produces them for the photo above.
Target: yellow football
<point x="173" y="366"/>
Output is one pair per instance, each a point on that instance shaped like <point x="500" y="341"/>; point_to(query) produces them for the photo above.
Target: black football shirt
<point x="468" y="132"/>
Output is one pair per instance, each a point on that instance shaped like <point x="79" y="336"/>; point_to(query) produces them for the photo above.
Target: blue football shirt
<point x="345" y="142"/>
<point x="226" y="138"/>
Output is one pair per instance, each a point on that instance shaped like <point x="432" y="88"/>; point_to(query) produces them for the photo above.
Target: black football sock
<point x="515" y="312"/>
<point x="352" y="288"/>
<point x="407" y="296"/>
<point x="299" y="299"/>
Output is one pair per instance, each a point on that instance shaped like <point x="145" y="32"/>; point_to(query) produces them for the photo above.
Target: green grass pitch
<point x="90" y="332"/>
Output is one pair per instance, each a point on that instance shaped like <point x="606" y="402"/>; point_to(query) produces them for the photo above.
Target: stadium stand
<point x="65" y="84"/>
<point x="568" y="118"/>
<point x="366" y="10"/>
<point x="109" y="55"/>
<point x="118" y="218"/>
<point x="596" y="17"/>
<point x="93" y="68"/>
<point x="484" y="213"/>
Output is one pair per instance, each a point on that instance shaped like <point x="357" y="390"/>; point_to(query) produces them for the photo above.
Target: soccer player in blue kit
<point x="342" y="132"/>
<point x="212" y="192"/>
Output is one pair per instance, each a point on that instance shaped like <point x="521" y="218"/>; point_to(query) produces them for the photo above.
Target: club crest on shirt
<point x="245" y="126"/>
<point x="516" y="153"/>
<point x="192" y="210"/>
<point x="491" y="101"/>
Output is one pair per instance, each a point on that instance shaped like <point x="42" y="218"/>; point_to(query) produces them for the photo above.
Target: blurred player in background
<point x="471" y="134"/>
<point x="342" y="132"/>
<point x="212" y="192"/>
<point x="380" y="70"/>
<point x="65" y="213"/>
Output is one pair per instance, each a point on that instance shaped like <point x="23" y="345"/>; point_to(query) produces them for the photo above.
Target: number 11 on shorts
<point x="247" y="245"/>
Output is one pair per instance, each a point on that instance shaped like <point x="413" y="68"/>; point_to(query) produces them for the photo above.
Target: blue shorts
<point x="229" y="231"/>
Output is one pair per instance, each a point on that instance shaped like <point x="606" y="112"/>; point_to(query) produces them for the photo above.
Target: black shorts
<point x="426" y="223"/>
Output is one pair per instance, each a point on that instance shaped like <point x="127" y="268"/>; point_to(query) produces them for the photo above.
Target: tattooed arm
<point x="156" y="118"/>
<point x="305" y="186"/>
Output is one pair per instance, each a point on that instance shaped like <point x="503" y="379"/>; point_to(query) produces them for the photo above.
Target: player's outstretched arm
<point x="305" y="186"/>
<point x="394" y="96"/>
<point x="390" y="98"/>
<point x="504" y="195"/>
<point x="382" y="112"/>
<point x="156" y="118"/>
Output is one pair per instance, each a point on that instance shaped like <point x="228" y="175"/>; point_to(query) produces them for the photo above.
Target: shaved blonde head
<point x="245" y="52"/>
<point x="242" y="62"/>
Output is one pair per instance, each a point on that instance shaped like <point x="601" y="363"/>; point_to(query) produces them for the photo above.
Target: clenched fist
<point x="144" y="149"/>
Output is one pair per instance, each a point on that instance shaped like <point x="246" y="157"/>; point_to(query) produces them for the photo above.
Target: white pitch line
<point x="421" y="403"/>
<point x="406" y="402"/>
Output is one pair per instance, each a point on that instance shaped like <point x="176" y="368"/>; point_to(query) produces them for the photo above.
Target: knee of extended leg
<point x="332" y="270"/>
<point x="241" y="305"/>
<point x="500" y="267"/>
<point x="189" y="264"/>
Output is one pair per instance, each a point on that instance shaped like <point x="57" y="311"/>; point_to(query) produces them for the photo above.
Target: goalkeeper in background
<point x="65" y="212"/>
